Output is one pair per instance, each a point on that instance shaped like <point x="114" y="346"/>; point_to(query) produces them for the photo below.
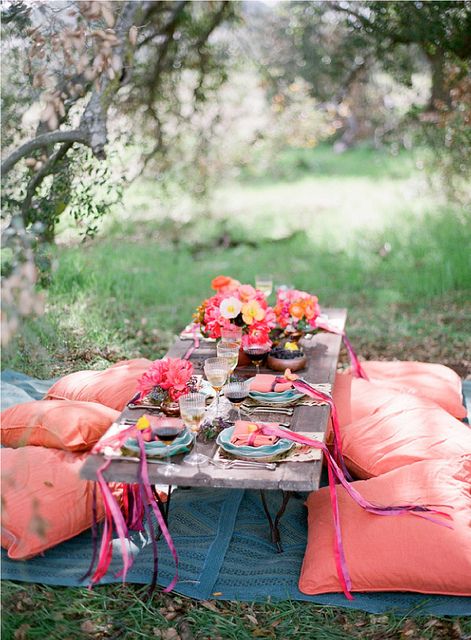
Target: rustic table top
<point x="322" y="352"/>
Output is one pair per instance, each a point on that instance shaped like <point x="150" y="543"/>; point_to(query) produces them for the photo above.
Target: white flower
<point x="230" y="307"/>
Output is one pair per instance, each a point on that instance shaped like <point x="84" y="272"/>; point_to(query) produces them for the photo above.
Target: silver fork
<point x="242" y="464"/>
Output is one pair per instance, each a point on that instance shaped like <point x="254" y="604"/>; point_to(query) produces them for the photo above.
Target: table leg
<point x="274" y="523"/>
<point x="164" y="507"/>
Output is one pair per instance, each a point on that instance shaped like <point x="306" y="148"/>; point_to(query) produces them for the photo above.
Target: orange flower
<point x="224" y="284"/>
<point x="296" y="309"/>
<point x="310" y="309"/>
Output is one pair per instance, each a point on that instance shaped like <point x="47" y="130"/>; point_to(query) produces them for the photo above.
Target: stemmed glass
<point x="166" y="431"/>
<point x="229" y="350"/>
<point x="216" y="371"/>
<point x="192" y="408"/>
<point x="232" y="333"/>
<point x="264" y="283"/>
<point x="257" y="353"/>
<point x="237" y="392"/>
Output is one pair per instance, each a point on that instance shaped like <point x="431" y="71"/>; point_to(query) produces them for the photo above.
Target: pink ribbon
<point x="337" y="475"/>
<point x="196" y="342"/>
<point x="358" y="370"/>
<point x="141" y="499"/>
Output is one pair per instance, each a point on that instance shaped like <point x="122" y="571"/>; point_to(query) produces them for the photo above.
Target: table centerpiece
<point x="164" y="382"/>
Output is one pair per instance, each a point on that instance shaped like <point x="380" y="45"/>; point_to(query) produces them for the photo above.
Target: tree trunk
<point x="439" y="95"/>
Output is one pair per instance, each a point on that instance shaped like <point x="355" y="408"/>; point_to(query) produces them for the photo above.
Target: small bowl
<point x="280" y="364"/>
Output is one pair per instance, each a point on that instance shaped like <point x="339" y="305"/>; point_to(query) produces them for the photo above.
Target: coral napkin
<point x="264" y="383"/>
<point x="243" y="430"/>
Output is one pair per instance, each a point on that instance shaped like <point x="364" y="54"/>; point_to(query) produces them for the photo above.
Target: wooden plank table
<point x="322" y="352"/>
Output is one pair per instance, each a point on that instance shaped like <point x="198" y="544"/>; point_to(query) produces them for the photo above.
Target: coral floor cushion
<point x="395" y="553"/>
<point x="62" y="424"/>
<point x="433" y="381"/>
<point x="113" y="387"/>
<point x="44" y="500"/>
<point x="404" y="430"/>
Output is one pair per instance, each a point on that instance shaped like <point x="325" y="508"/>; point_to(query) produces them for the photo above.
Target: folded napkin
<point x="264" y="383"/>
<point x="243" y="430"/>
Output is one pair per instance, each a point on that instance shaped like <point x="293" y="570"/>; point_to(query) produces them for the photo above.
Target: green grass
<point x="360" y="230"/>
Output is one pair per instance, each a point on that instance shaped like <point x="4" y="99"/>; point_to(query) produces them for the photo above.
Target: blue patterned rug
<point x="224" y="550"/>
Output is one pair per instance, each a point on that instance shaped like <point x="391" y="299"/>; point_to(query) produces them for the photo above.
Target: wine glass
<point x="232" y="333"/>
<point x="229" y="350"/>
<point x="192" y="408"/>
<point x="264" y="283"/>
<point x="216" y="371"/>
<point x="237" y="392"/>
<point x="166" y="431"/>
<point x="257" y="353"/>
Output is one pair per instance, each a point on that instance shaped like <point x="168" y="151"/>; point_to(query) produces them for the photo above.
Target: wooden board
<point x="323" y="352"/>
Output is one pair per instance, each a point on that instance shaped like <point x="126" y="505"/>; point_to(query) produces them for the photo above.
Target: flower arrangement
<point x="296" y="311"/>
<point x="239" y="304"/>
<point x="166" y="380"/>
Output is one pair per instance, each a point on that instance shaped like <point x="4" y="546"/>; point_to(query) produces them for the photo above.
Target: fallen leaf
<point x="170" y="634"/>
<point x="209" y="605"/>
<point x="88" y="627"/>
<point x="21" y="632"/>
<point x="252" y="618"/>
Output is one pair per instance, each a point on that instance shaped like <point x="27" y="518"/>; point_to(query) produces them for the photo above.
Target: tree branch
<point x="41" y="174"/>
<point x="52" y="137"/>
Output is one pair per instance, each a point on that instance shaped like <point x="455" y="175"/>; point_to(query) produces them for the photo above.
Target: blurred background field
<point x="360" y="230"/>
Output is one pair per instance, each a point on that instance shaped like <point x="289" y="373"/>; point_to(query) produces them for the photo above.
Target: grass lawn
<point x="360" y="230"/>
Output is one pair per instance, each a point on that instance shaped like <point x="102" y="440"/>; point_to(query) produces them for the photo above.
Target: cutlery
<point x="243" y="464"/>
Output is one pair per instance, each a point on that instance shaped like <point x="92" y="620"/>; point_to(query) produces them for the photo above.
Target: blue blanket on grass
<point x="223" y="546"/>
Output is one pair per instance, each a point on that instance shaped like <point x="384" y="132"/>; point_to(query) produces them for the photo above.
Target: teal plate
<point x="272" y="397"/>
<point x="157" y="449"/>
<point x="244" y="451"/>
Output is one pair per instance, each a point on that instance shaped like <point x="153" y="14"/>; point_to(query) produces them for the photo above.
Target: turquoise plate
<point x="273" y="397"/>
<point x="244" y="451"/>
<point x="156" y="448"/>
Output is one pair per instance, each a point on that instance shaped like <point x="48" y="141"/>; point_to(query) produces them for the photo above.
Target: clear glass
<point x="229" y="350"/>
<point x="264" y="283"/>
<point x="233" y="333"/>
<point x="166" y="431"/>
<point x="236" y="393"/>
<point x="192" y="409"/>
<point x="257" y="353"/>
<point x="216" y="371"/>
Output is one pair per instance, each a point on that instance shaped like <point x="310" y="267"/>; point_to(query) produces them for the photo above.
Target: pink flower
<point x="170" y="374"/>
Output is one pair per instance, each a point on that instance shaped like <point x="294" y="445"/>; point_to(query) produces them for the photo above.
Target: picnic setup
<point x="346" y="486"/>
<point x="235" y="310"/>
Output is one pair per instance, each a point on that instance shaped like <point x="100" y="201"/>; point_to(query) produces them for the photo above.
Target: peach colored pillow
<point x="113" y="387"/>
<point x="395" y="553"/>
<point x="61" y="424"/>
<point x="404" y="430"/>
<point x="44" y="500"/>
<point x="433" y="381"/>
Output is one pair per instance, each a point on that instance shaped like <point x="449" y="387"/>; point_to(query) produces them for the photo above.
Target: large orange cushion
<point x="61" y="424"/>
<point x="405" y="429"/>
<point x="395" y="553"/>
<point x="113" y="387"/>
<point x="433" y="381"/>
<point x="44" y="499"/>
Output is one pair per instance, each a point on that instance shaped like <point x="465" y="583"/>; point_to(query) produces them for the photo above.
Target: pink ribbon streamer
<point x="196" y="342"/>
<point x="337" y="475"/>
<point x="358" y="370"/>
<point x="113" y="514"/>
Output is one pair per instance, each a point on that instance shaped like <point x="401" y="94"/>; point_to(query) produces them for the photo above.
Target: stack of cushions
<point x="402" y="432"/>
<point x="44" y="499"/>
